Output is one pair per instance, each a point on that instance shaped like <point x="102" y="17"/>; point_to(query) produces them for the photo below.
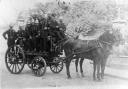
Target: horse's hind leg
<point x="102" y="71"/>
<point x="94" y="70"/>
<point x="98" y="70"/>
<point x="68" y="61"/>
<point x="81" y="69"/>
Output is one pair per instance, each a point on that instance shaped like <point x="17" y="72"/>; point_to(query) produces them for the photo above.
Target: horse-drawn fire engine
<point x="17" y="56"/>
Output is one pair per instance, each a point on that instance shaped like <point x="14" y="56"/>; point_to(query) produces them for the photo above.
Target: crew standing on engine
<point x="28" y="30"/>
<point x="21" y="35"/>
<point x="10" y="36"/>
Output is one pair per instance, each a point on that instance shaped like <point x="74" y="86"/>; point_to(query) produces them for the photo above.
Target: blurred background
<point x="78" y="16"/>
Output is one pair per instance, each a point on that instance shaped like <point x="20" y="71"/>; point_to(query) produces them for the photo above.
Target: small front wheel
<point x="38" y="66"/>
<point x="56" y="66"/>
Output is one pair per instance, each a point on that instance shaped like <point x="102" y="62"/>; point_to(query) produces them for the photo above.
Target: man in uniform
<point x="21" y="33"/>
<point x="29" y="35"/>
<point x="58" y="29"/>
<point x="34" y="33"/>
<point x="53" y="27"/>
<point x="43" y="35"/>
<point x="10" y="35"/>
<point x="62" y="29"/>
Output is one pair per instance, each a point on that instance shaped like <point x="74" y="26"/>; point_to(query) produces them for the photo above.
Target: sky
<point x="9" y="9"/>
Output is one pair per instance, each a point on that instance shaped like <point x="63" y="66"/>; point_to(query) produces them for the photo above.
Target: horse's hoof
<point x="69" y="77"/>
<point x="102" y="77"/>
<point x="99" y="77"/>
<point x="94" y="79"/>
<point x="99" y="80"/>
<point x="77" y="75"/>
<point x="82" y="75"/>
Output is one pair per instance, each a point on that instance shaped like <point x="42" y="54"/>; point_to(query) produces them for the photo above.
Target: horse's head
<point x="108" y="38"/>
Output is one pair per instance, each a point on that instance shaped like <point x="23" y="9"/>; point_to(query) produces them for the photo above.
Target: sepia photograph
<point x="63" y="44"/>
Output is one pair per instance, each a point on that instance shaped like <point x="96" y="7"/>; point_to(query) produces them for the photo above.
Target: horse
<point x="95" y="50"/>
<point x="106" y="50"/>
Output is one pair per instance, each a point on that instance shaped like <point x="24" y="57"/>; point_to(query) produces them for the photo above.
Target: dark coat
<point x="9" y="34"/>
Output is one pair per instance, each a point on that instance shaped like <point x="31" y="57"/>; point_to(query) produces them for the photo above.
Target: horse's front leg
<point x="81" y="69"/>
<point x="103" y="67"/>
<point x="102" y="71"/>
<point x="76" y="64"/>
<point x="68" y="61"/>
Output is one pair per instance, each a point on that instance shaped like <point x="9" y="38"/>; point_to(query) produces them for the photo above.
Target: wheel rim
<point x="14" y="59"/>
<point x="39" y="66"/>
<point x="56" y="67"/>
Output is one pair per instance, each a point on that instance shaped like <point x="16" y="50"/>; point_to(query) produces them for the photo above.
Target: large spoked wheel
<point x="15" y="59"/>
<point x="56" y="66"/>
<point x="38" y="66"/>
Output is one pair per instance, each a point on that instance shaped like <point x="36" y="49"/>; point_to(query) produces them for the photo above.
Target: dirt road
<point x="115" y="78"/>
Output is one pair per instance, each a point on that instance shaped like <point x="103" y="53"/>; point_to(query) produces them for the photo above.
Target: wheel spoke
<point x="15" y="68"/>
<point x="8" y="61"/>
<point x="58" y="68"/>
<point x="42" y="69"/>
<point x="21" y="64"/>
<point x="12" y="68"/>
<point x="53" y="67"/>
<point x="18" y="67"/>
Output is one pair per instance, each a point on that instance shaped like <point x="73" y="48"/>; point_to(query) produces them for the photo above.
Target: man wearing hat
<point x="10" y="36"/>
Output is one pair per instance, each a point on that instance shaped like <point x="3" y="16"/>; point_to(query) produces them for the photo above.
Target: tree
<point x="82" y="16"/>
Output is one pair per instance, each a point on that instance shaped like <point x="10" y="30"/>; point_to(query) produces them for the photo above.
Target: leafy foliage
<point x="81" y="16"/>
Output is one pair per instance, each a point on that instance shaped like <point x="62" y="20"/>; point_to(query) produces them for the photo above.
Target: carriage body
<point x="18" y="55"/>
